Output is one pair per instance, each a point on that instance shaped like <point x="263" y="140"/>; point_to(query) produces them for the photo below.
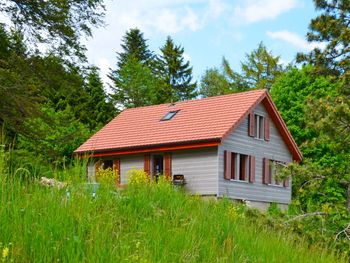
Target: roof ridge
<point x="198" y="99"/>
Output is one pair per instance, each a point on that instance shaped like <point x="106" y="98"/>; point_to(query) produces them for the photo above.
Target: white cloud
<point x="295" y="40"/>
<point x="258" y="10"/>
<point x="153" y="17"/>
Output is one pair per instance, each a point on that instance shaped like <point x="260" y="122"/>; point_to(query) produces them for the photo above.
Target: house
<point x="228" y="145"/>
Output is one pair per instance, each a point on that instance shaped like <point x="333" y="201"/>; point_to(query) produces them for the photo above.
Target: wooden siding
<point x="200" y="169"/>
<point x="275" y="149"/>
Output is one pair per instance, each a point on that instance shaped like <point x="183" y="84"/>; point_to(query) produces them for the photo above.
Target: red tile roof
<point x="199" y="120"/>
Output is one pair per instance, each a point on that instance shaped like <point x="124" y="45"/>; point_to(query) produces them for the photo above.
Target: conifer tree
<point x="133" y="78"/>
<point x="101" y="110"/>
<point x="176" y="72"/>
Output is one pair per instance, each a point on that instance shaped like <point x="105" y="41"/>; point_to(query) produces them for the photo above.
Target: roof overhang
<point x="151" y="148"/>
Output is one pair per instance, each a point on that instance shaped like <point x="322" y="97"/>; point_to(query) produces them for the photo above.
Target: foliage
<point x="135" y="46"/>
<point x="19" y="88"/>
<point x="100" y="108"/>
<point x="59" y="24"/>
<point x="176" y="72"/>
<point x="214" y="83"/>
<point x="330" y="28"/>
<point x="261" y="68"/>
<point x="134" y="85"/>
<point x="291" y="93"/>
<point x="54" y="140"/>
<point x="258" y="71"/>
<point x="137" y="177"/>
<point x="107" y="176"/>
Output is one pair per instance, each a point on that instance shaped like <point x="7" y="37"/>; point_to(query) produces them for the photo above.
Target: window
<point x="239" y="167"/>
<point x="169" y="115"/>
<point x="107" y="164"/>
<point x="271" y="170"/>
<point x="259" y="126"/>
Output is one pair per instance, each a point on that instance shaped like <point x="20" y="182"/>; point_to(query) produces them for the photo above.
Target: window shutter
<point x="227" y="166"/>
<point x="147" y="164"/>
<point x="251" y="169"/>
<point x="267" y="128"/>
<point x="116" y="169"/>
<point x="251" y="125"/>
<point x="167" y="165"/>
<point x="286" y="182"/>
<point x="266" y="171"/>
<point x="97" y="166"/>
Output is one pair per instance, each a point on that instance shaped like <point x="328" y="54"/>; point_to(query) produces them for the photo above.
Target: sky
<point x="207" y="29"/>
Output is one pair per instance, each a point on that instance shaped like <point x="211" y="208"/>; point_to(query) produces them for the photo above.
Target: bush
<point x="137" y="177"/>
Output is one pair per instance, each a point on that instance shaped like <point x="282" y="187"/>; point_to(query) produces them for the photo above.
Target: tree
<point x="134" y="85"/>
<point x="133" y="78"/>
<point x="261" y="68"/>
<point x="19" y="88"/>
<point x="59" y="24"/>
<point x="332" y="115"/>
<point x="331" y="29"/>
<point x="58" y="134"/>
<point x="176" y="72"/>
<point x="291" y="94"/>
<point x="214" y="83"/>
<point x="134" y="45"/>
<point x="101" y="110"/>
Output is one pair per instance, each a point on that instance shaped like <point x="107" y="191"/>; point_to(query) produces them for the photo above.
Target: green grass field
<point x="151" y="223"/>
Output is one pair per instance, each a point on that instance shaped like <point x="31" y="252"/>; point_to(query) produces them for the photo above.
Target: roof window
<point x="169" y="115"/>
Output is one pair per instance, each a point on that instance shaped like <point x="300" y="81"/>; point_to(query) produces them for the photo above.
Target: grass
<point x="148" y="223"/>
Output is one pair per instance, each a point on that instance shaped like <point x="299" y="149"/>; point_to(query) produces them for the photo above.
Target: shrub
<point x="137" y="177"/>
<point x="107" y="176"/>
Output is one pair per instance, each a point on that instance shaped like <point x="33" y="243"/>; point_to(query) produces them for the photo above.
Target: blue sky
<point x="207" y="29"/>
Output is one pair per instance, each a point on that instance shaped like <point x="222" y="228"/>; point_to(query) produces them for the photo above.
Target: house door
<point x="158" y="166"/>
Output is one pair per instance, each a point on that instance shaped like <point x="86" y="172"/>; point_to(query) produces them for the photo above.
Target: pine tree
<point x="134" y="45"/>
<point x="134" y="77"/>
<point x="100" y="109"/>
<point x="261" y="68"/>
<point x="176" y="72"/>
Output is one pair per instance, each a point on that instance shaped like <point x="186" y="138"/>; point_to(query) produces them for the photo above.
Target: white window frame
<point x="259" y="134"/>
<point x="237" y="161"/>
<point x="273" y="170"/>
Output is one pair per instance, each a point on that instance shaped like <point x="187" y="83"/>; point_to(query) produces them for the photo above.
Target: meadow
<point x="143" y="223"/>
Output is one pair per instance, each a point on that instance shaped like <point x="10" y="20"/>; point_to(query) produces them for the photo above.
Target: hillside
<point x="144" y="223"/>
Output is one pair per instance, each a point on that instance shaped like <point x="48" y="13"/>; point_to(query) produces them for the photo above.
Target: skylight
<point x="169" y="115"/>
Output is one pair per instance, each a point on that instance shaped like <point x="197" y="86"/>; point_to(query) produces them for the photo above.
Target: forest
<point x="52" y="100"/>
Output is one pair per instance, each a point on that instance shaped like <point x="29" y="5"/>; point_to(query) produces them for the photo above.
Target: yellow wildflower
<point x="5" y="252"/>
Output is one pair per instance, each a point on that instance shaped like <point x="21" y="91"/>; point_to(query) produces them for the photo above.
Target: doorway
<point x="158" y="166"/>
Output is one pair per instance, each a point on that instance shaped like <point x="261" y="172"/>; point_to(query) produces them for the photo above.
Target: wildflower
<point x="5" y="252"/>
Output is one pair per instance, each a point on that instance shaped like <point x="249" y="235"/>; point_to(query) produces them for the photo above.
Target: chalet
<point x="228" y="145"/>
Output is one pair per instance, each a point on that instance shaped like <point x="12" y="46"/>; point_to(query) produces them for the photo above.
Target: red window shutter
<point x="233" y="167"/>
<point x="266" y="171"/>
<point x="227" y="166"/>
<point x="116" y="168"/>
<point x="167" y="165"/>
<point x="97" y="166"/>
<point x="251" y="125"/>
<point x="267" y="128"/>
<point x="251" y="169"/>
<point x="147" y="164"/>
<point x="286" y="182"/>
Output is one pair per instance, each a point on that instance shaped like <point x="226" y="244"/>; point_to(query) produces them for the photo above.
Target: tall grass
<point x="150" y="223"/>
